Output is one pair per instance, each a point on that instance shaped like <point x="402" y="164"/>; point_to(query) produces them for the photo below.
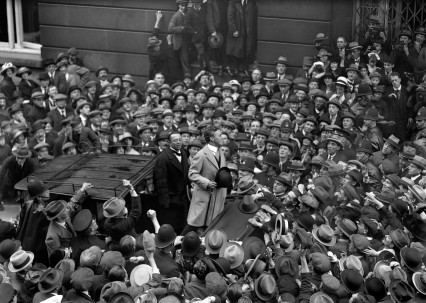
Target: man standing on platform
<point x="207" y="200"/>
<point x="170" y="181"/>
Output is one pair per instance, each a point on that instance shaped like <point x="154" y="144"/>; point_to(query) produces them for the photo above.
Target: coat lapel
<point x="210" y="156"/>
<point x="174" y="160"/>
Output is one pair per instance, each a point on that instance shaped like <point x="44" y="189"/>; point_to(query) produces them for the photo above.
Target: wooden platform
<point x="66" y="174"/>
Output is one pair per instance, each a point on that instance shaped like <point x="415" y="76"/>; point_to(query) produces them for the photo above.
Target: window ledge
<point x="21" y="56"/>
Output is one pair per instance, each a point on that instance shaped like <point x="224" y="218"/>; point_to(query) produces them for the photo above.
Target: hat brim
<point x="21" y="156"/>
<point x="10" y="67"/>
<point x="283" y="181"/>
<point x="320" y="39"/>
<point x="240" y="257"/>
<point x="239" y="192"/>
<point x="261" y="295"/>
<point x="30" y="260"/>
<point x="418" y="284"/>
<point x="209" y="248"/>
<point x="19" y="74"/>
<point x="17" y="244"/>
<point x="413" y="269"/>
<point x="315" y="235"/>
<point x="53" y="286"/>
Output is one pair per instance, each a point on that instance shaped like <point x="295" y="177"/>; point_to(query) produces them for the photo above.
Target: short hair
<point x="201" y="269"/>
<point x="172" y="133"/>
<point x="117" y="273"/>
<point x="209" y="132"/>
<point x="395" y="74"/>
<point x="127" y="245"/>
<point x="234" y="292"/>
<point x="343" y="37"/>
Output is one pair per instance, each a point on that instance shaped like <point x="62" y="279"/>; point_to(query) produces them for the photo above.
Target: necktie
<point x="63" y="114"/>
<point x="397" y="93"/>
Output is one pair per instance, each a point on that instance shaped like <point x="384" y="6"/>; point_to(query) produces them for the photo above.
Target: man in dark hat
<point x="171" y="181"/>
<point x="38" y="110"/>
<point x="59" y="213"/>
<point x="371" y="130"/>
<point x="60" y="112"/>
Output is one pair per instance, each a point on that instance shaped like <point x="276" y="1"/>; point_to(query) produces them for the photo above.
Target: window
<point x="19" y="26"/>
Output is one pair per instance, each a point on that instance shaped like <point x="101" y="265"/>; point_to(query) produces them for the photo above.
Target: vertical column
<point x="10" y="24"/>
<point x="19" y="23"/>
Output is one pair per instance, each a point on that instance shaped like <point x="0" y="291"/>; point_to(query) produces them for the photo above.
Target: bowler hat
<point x="306" y="221"/>
<point x="191" y="244"/>
<point x="265" y="287"/>
<point x="101" y="68"/>
<point x="352" y="280"/>
<point x="272" y="159"/>
<point x="287" y="143"/>
<point x="247" y="204"/>
<point x="165" y="236"/>
<point x="372" y="114"/>
<point x="22" y="152"/>
<point x="7" y="248"/>
<point x="214" y="240"/>
<point x="401" y="291"/>
<point x="50" y="280"/>
<point x="82" y="220"/>
<point x="215" y="41"/>
<point x="113" y="206"/>
<point x="223" y="178"/>
<point x="35" y="187"/>
<point x="55" y="208"/>
<point x="412" y="258"/>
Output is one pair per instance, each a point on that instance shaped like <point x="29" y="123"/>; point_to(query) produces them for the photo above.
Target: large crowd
<point x="270" y="186"/>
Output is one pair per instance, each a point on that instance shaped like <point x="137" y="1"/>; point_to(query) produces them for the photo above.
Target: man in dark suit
<point x="39" y="109"/>
<point x="333" y="114"/>
<point x="60" y="112"/>
<point x="171" y="180"/>
<point x="334" y="150"/>
<point x="180" y="44"/>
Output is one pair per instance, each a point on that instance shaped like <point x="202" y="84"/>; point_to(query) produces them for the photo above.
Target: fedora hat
<point x="191" y="244"/>
<point x="270" y="76"/>
<point x="50" y="280"/>
<point x="309" y="201"/>
<point x="417" y="228"/>
<point x="254" y="246"/>
<point x="84" y="103"/>
<point x="166" y="235"/>
<point x="265" y="287"/>
<point x="286" y="265"/>
<point x="214" y="240"/>
<point x="6" y="66"/>
<point x="394" y="141"/>
<point x="412" y="258"/>
<point x="354" y="45"/>
<point x="306" y="221"/>
<point x="399" y="238"/>
<point x="372" y="114"/>
<point x="296" y="165"/>
<point x="352" y="280"/>
<point x="321" y="194"/>
<point x="287" y="242"/>
<point x="223" y="178"/>
<point x="20" y="260"/>
<point x="347" y="227"/>
<point x="129" y="79"/>
<point x="113" y="206"/>
<point x="254" y="268"/>
<point x="141" y="275"/>
<point x="22" y="152"/>
<point x="325" y="235"/>
<point x="419" y="162"/>
<point x="222" y="265"/>
<point x="419" y="281"/>
<point x="335" y="102"/>
<point x="288" y="144"/>
<point x="281" y="60"/>
<point x="7" y="248"/>
<point x="247" y="205"/>
<point x="215" y="41"/>
<point x="351" y="262"/>
<point x="320" y="297"/>
<point x="284" y="178"/>
<point x="401" y="291"/>
<point x="233" y="252"/>
<point x="245" y="184"/>
<point x="55" y="208"/>
<point x="365" y="146"/>
<point x="376" y="288"/>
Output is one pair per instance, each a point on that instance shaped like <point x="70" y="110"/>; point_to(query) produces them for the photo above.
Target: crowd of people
<point x="270" y="186"/>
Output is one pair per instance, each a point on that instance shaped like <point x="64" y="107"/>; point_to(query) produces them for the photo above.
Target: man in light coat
<point x="207" y="200"/>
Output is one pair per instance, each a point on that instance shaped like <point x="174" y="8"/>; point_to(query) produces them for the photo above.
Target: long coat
<point x="59" y="237"/>
<point x="177" y="29"/>
<point x="206" y="203"/>
<point x="246" y="25"/>
<point x="398" y="111"/>
<point x="171" y="179"/>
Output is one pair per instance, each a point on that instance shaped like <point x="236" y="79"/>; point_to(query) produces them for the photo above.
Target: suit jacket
<point x="83" y="242"/>
<point x="89" y="136"/>
<point x="338" y="121"/>
<point x="195" y="23"/>
<point x="57" y="118"/>
<point x="60" y="81"/>
<point x="11" y="173"/>
<point x="59" y="237"/>
<point x="206" y="203"/>
<point x="177" y="29"/>
<point x="77" y="297"/>
<point x="171" y="178"/>
<point x="340" y="156"/>
<point x="26" y="88"/>
<point x="398" y="111"/>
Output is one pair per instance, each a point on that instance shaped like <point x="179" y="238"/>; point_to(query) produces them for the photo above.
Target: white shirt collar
<point x="213" y="148"/>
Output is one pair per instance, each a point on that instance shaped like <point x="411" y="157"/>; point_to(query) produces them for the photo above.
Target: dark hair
<point x="209" y="132"/>
<point x="172" y="133"/>
<point x="127" y="245"/>
<point x="234" y="293"/>
<point x="395" y="74"/>
<point x="201" y="269"/>
<point x="117" y="273"/>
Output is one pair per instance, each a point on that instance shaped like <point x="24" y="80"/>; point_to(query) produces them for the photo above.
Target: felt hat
<point x="6" y="66"/>
<point x="20" y="260"/>
<point x="247" y="204"/>
<point x="222" y="265"/>
<point x="165" y="236"/>
<point x="215" y="284"/>
<point x="419" y="281"/>
<point x="7" y="248"/>
<point x="118" y="121"/>
<point x="272" y="159"/>
<point x="215" y="41"/>
<point x="233" y="252"/>
<point x="320" y="37"/>
<point x="82" y="279"/>
<point x="354" y="45"/>
<point x="50" y="280"/>
<point x="288" y="144"/>
<point x="284" y="178"/>
<point x="325" y="235"/>
<point x="394" y="141"/>
<point x="82" y="220"/>
<point x="335" y="102"/>
<point x="214" y="240"/>
<point x="347" y="227"/>
<point x="405" y="32"/>
<point x="372" y="114"/>
<point x="306" y="221"/>
<point x="401" y="291"/>
<point x="270" y="76"/>
<point x="22" y="152"/>
<point x="265" y="287"/>
<point x="320" y="262"/>
<point x="245" y="184"/>
<point x="376" y="288"/>
<point x="55" y="208"/>
<point x="67" y="146"/>
<point x="309" y="201"/>
<point x="191" y="244"/>
<point x="412" y="258"/>
<point x="91" y="257"/>
<point x="254" y="268"/>
<point x="417" y="228"/>
<point x="195" y="143"/>
<point x="351" y="262"/>
<point x="365" y="146"/>
<point x="141" y="275"/>
<point x="296" y="165"/>
<point x="35" y="187"/>
<point x="321" y="194"/>
<point x="360" y="242"/>
<point x="223" y="178"/>
<point x="399" y="238"/>
<point x="352" y="280"/>
<point x="320" y="297"/>
<point x="23" y="70"/>
<point x="113" y="206"/>
<point x="286" y="265"/>
<point x="284" y="81"/>
<point x="253" y="246"/>
<point x="83" y="104"/>
<point x="419" y="162"/>
<point x="281" y="60"/>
